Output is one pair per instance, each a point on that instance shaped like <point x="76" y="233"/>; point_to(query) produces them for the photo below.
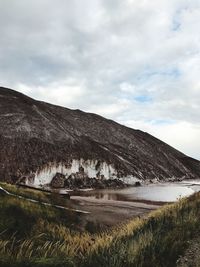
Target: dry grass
<point x="34" y="235"/>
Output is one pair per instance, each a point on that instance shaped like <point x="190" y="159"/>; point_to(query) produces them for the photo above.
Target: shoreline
<point x="105" y="212"/>
<point x="108" y="213"/>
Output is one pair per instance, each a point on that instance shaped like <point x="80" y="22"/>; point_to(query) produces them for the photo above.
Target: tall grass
<point x="155" y="241"/>
<point x="35" y="235"/>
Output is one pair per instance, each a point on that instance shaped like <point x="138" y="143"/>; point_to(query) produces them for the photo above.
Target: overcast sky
<point x="137" y="62"/>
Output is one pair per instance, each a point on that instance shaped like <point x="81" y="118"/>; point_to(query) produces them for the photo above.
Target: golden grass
<point x="154" y="241"/>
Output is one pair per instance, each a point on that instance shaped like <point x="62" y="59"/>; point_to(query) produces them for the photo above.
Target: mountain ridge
<point x="39" y="139"/>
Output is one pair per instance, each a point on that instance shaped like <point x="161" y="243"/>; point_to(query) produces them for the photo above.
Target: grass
<point x="27" y="192"/>
<point x="34" y="235"/>
<point x="155" y="241"/>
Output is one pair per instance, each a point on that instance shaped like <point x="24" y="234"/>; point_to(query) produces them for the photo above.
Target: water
<point x="167" y="192"/>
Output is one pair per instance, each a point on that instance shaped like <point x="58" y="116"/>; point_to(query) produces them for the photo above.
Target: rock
<point x="65" y="195"/>
<point x="137" y="183"/>
<point x="81" y="169"/>
<point x="81" y="180"/>
<point x="58" y="180"/>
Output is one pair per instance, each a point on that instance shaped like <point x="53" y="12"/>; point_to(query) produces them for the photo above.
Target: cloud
<point x="182" y="135"/>
<point x="126" y="60"/>
<point x="65" y="93"/>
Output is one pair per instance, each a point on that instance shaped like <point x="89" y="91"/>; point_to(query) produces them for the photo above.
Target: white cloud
<point x="127" y="87"/>
<point x="182" y="135"/>
<point x="65" y="93"/>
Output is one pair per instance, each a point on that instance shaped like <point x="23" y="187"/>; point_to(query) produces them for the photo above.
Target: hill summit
<point x="41" y="143"/>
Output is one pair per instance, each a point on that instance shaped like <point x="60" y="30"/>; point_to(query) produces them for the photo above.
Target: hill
<point x="40" y="142"/>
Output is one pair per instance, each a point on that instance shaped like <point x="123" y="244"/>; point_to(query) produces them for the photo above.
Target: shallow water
<point x="167" y="192"/>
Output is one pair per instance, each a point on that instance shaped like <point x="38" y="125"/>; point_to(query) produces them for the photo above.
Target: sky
<point x="136" y="62"/>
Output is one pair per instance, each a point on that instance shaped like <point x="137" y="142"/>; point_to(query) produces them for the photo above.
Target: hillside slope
<point x="38" y="140"/>
<point x="50" y="240"/>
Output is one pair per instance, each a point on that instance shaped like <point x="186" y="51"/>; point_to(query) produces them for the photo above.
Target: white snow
<point x="45" y="175"/>
<point x="130" y="179"/>
<point x="7" y="114"/>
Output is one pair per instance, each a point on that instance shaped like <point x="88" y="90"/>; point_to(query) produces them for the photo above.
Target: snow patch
<point x="7" y="114"/>
<point x="130" y="179"/>
<point x="92" y="168"/>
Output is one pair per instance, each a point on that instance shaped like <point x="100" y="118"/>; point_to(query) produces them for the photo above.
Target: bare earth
<point x="191" y="258"/>
<point x="110" y="212"/>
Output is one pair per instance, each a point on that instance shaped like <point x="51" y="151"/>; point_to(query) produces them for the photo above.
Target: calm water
<point x="167" y="192"/>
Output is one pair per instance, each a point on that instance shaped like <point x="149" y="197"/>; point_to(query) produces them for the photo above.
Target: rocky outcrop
<point x="80" y="180"/>
<point x="38" y="140"/>
<point x="58" y="181"/>
<point x="90" y="168"/>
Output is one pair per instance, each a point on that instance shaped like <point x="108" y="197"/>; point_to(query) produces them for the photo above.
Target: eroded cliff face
<point x="38" y="140"/>
<point x="78" y="168"/>
<point x="92" y="168"/>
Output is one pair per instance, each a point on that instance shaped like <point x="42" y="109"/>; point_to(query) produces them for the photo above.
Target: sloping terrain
<point x="191" y="257"/>
<point x="38" y="140"/>
<point x="51" y="240"/>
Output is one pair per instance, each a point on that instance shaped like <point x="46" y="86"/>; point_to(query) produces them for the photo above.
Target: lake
<point x="103" y="208"/>
<point x="159" y="192"/>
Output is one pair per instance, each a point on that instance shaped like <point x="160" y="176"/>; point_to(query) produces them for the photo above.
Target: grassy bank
<point x="34" y="235"/>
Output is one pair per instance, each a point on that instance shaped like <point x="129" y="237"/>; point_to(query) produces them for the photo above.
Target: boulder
<point x="58" y="180"/>
<point x="80" y="180"/>
<point x="137" y="183"/>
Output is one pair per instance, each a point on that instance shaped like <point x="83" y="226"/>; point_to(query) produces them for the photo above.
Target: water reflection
<point x="155" y="192"/>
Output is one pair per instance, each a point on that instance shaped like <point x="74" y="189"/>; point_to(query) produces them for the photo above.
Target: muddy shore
<point x="106" y="213"/>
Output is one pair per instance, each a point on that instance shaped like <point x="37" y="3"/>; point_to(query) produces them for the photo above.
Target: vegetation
<point x="32" y="234"/>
